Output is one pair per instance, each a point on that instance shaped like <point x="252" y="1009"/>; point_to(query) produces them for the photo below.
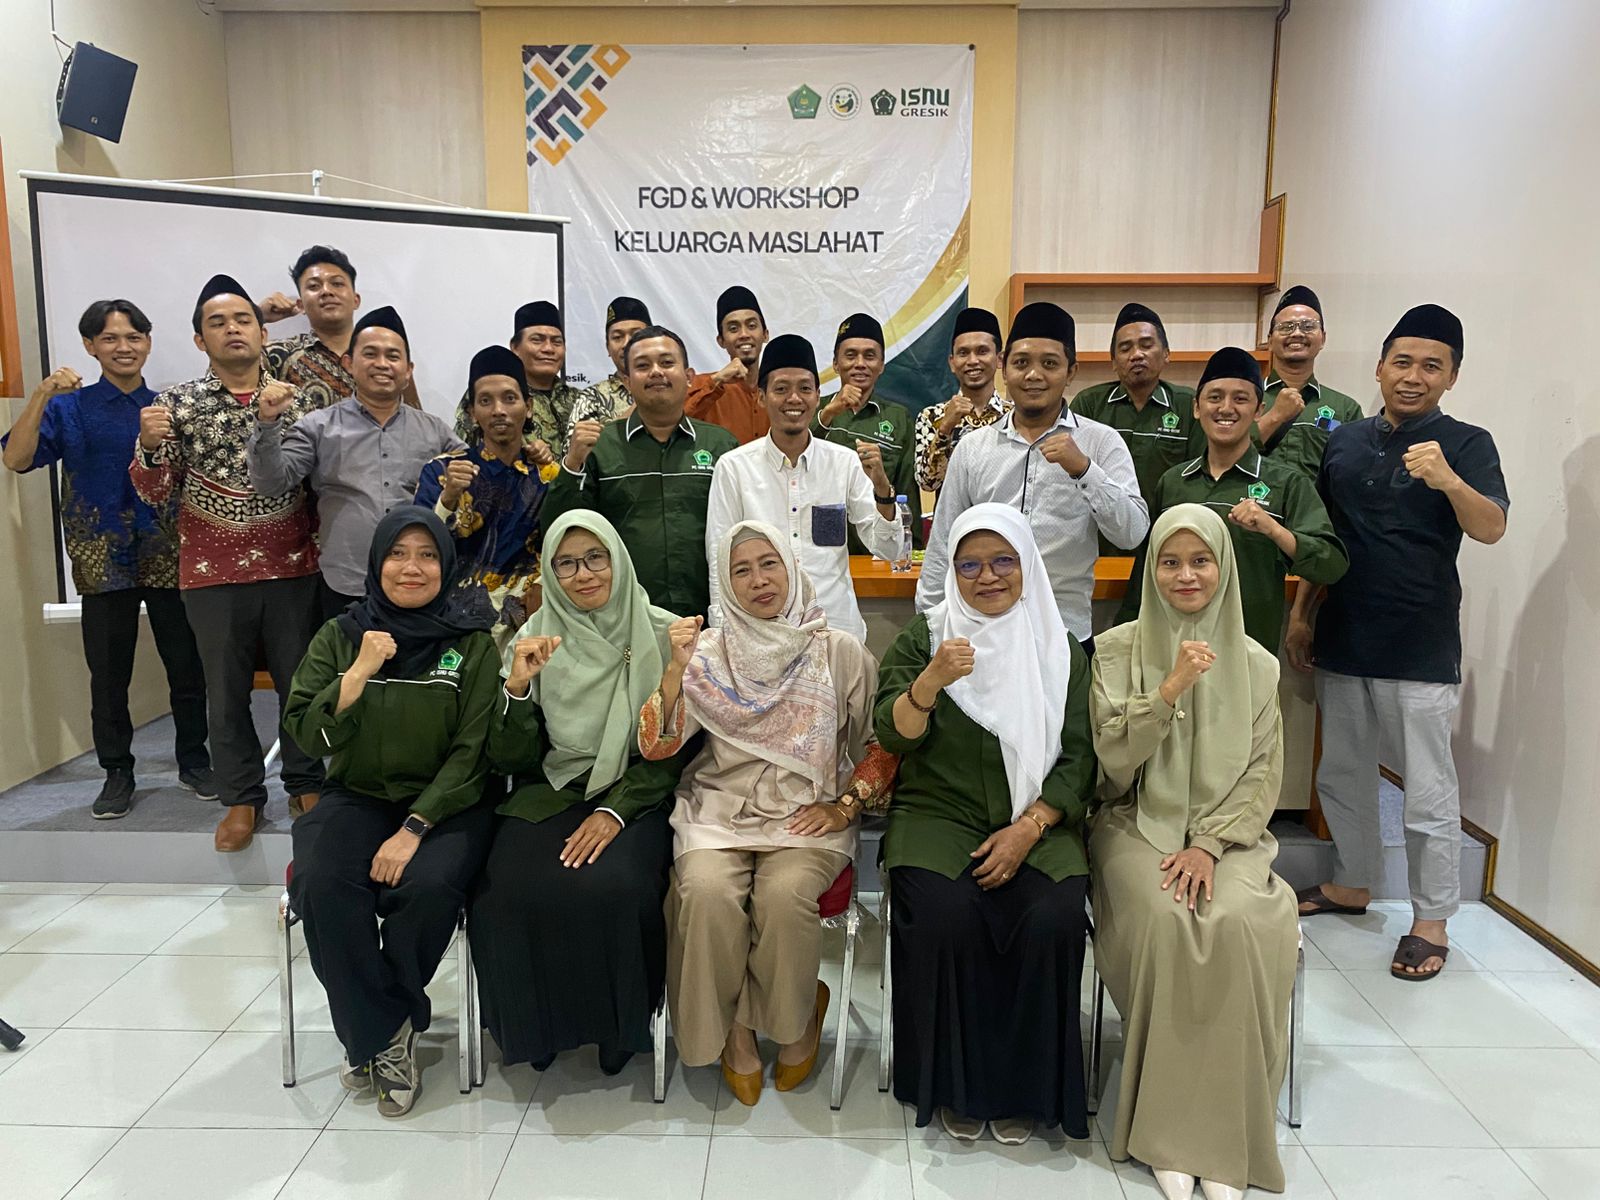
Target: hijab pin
<point x="627" y="654"/>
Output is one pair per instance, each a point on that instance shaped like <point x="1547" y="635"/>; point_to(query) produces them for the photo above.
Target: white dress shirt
<point x="756" y="482"/>
<point x="1067" y="515"/>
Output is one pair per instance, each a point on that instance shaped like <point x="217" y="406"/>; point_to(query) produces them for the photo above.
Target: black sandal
<point x="1413" y="951"/>
<point x="1315" y="895"/>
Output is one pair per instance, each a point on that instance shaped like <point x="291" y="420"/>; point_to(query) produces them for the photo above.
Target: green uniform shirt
<point x="655" y="493"/>
<point x="890" y="426"/>
<point x="1161" y="436"/>
<point x="951" y="791"/>
<point x="517" y="746"/>
<point x="1299" y="445"/>
<point x="1292" y="500"/>
<point x="417" y="742"/>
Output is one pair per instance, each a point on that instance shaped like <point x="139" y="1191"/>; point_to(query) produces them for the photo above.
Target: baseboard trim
<point x="1586" y="967"/>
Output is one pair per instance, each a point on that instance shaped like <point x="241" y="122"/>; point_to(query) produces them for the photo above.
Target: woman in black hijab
<point x="396" y="692"/>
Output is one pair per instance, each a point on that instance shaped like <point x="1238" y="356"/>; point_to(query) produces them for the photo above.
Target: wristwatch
<point x="415" y="824"/>
<point x="889" y="499"/>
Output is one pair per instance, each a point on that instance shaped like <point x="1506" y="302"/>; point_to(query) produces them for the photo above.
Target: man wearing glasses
<point x="1299" y="413"/>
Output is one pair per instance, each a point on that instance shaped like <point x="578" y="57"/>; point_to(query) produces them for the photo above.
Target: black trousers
<point x="110" y="625"/>
<point x="329" y="602"/>
<point x="375" y="975"/>
<point x="230" y="621"/>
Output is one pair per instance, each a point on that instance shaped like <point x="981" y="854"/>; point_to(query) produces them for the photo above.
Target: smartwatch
<point x="415" y="824"/>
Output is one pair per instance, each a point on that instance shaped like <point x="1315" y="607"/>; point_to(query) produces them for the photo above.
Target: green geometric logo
<point x="702" y="458"/>
<point x="883" y="103"/>
<point x="886" y="428"/>
<point x="1169" y="420"/>
<point x="450" y="660"/>
<point x="804" y="103"/>
<point x="1259" y="491"/>
<point x="1325" y="413"/>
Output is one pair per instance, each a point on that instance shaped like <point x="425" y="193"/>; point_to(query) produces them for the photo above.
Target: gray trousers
<point x="1411" y="721"/>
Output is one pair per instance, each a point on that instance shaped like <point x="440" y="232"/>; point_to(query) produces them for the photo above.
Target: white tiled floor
<point x="151" y="1071"/>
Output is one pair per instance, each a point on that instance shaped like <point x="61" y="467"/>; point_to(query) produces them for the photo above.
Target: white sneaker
<point x="1011" y="1131"/>
<point x="394" y="1072"/>
<point x="355" y="1078"/>
<point x="1175" y="1185"/>
<point x="1220" y="1191"/>
<point x="963" y="1129"/>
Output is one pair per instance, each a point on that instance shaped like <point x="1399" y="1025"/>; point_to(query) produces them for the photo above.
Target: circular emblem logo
<point x="844" y="101"/>
<point x="1169" y="420"/>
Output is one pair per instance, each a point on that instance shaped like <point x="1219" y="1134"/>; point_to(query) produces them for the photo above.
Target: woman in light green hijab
<point x="566" y="922"/>
<point x="1195" y="937"/>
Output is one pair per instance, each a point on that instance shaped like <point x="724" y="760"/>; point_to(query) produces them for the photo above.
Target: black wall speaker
<point x="94" y="91"/>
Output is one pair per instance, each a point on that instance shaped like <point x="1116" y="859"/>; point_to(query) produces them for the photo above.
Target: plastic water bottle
<point x="902" y="560"/>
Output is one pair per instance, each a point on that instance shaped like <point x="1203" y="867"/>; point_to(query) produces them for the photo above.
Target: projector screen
<point x="456" y="276"/>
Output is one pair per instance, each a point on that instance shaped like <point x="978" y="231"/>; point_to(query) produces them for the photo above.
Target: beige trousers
<point x="743" y="944"/>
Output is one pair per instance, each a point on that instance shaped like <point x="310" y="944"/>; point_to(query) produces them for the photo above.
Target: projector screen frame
<point x="248" y="199"/>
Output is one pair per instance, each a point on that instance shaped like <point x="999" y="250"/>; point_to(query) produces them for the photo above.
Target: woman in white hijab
<point x="765" y="814"/>
<point x="1195" y="936"/>
<point x="986" y="698"/>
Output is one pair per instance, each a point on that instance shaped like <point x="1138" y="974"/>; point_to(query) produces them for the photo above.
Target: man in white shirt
<point x="813" y="489"/>
<point x="1071" y="477"/>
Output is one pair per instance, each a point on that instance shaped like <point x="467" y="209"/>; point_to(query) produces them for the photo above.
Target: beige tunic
<point x="731" y="799"/>
<point x="1204" y="995"/>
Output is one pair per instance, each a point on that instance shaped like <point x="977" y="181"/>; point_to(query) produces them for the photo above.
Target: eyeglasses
<point x="1308" y="325"/>
<point x="596" y="562"/>
<point x="1001" y="564"/>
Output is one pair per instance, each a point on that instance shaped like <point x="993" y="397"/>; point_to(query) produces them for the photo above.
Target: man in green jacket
<point x="650" y="475"/>
<point x="1299" y="413"/>
<point x="1276" y="518"/>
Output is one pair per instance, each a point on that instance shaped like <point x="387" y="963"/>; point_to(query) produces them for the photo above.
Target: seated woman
<point x="399" y="833"/>
<point x="566" y="924"/>
<point x="1195" y="937"/>
<point x="765" y="812"/>
<point x="986" y="697"/>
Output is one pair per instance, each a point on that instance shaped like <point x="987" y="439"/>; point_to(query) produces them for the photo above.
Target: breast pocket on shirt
<point x="828" y="525"/>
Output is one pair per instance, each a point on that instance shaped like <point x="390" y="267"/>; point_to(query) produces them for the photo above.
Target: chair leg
<point x="479" y="1069"/>
<point x="286" y="920"/>
<point x="852" y="930"/>
<point x="1297" y="1031"/>
<point x="1097" y="1014"/>
<point x="465" y="1068"/>
<point x="886" y="1024"/>
<point x="658" y="1035"/>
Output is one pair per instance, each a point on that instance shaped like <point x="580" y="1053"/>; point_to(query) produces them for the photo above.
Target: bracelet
<point x="912" y="697"/>
<point x="889" y="499"/>
<point x="842" y="811"/>
<point x="1040" y="822"/>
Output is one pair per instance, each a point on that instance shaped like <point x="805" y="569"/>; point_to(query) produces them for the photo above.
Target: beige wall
<point x="1141" y="139"/>
<point x="393" y="99"/>
<point x="993" y="30"/>
<point x="177" y="126"/>
<point x="1443" y="152"/>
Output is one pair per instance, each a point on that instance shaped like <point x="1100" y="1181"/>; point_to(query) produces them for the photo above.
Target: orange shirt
<point x="733" y="405"/>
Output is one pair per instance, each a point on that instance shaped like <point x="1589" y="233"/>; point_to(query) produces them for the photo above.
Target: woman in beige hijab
<point x="1195" y="936"/>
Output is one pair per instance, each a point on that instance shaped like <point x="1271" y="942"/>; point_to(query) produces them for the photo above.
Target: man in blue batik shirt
<point x="123" y="551"/>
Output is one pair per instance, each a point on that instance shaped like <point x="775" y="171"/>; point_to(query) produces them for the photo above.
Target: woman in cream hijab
<point x="765" y="814"/>
<point x="566" y="923"/>
<point x="1195" y="936"/>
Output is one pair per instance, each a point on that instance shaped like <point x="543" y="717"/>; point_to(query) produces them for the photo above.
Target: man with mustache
<point x="727" y="396"/>
<point x="539" y="339"/>
<point x="974" y="361"/>
<point x="650" y="475"/>
<point x="362" y="456"/>
<point x="1294" y="430"/>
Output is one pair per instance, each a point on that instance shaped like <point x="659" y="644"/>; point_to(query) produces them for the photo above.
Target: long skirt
<point x="1204" y="998"/>
<point x="986" y="996"/>
<point x="569" y="957"/>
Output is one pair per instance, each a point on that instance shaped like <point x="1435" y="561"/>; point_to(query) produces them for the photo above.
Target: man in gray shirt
<point x="361" y="456"/>
<point x="1072" y="478"/>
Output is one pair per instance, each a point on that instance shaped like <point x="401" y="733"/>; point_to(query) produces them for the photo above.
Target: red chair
<point x="837" y="908"/>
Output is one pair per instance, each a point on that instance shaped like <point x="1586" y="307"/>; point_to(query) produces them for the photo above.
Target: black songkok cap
<point x="540" y="312"/>
<point x="496" y="360"/>
<point x="859" y="325"/>
<point x="1135" y="314"/>
<point x="222" y="285"/>
<point x="1298" y="294"/>
<point x="623" y="308"/>
<point x="1431" y="322"/>
<point x="382" y="318"/>
<point x="1231" y="363"/>
<point x="1042" y="319"/>
<point x="976" y="320"/>
<point x="734" y="299"/>
<point x="787" y="350"/>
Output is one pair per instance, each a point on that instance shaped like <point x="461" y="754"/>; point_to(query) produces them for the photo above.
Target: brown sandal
<point x="1315" y="895"/>
<point x="1413" y="951"/>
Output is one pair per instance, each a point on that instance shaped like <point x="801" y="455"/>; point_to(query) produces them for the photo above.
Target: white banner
<point x="827" y="179"/>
